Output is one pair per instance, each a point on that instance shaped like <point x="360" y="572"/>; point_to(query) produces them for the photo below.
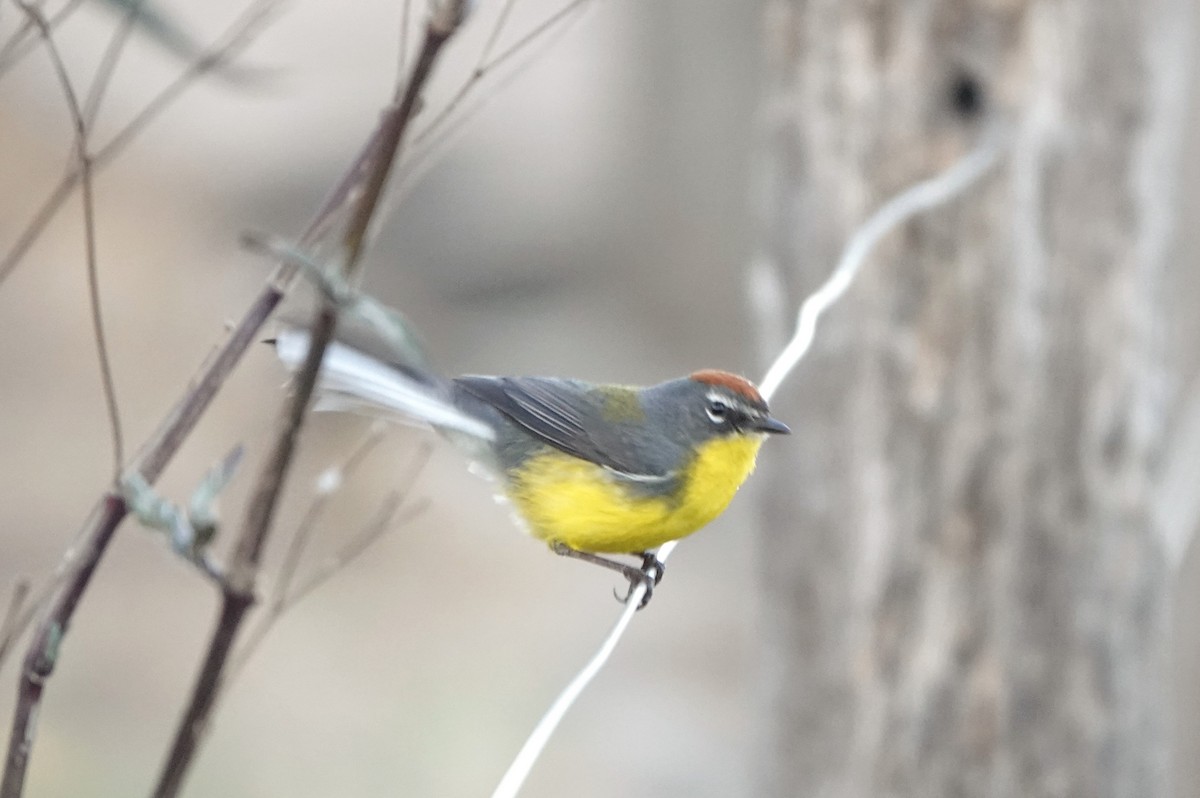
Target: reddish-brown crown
<point x="739" y="385"/>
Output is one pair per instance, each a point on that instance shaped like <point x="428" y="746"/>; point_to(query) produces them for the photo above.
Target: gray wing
<point x="565" y="415"/>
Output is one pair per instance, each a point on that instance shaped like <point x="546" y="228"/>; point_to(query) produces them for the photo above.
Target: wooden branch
<point x="43" y="651"/>
<point x="156" y="453"/>
<point x="238" y="590"/>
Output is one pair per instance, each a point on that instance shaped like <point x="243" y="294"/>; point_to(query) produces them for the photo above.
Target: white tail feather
<point x="355" y="382"/>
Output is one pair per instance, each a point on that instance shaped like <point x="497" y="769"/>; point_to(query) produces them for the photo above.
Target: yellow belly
<point x="567" y="500"/>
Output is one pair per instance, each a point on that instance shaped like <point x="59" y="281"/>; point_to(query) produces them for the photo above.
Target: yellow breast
<point x="567" y="500"/>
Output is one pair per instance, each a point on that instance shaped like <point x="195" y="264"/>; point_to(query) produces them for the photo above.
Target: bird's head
<point x="731" y="405"/>
<point x="710" y="405"/>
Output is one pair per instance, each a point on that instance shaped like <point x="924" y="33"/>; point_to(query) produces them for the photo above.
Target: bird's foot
<point x="636" y="577"/>
<point x="649" y="574"/>
<point x="653" y="566"/>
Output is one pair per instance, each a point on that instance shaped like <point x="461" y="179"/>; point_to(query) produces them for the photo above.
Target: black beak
<point x="771" y="426"/>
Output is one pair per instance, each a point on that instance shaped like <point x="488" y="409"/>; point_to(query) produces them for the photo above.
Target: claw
<point x="652" y="566"/>
<point x="635" y="578"/>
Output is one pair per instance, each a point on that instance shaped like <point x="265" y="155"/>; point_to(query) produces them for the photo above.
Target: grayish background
<point x="593" y="219"/>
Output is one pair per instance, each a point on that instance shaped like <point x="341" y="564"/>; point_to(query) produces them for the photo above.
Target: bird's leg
<point x="644" y="575"/>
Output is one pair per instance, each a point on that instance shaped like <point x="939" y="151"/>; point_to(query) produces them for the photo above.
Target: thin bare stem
<point x="527" y="757"/>
<point x="535" y="33"/>
<point x="915" y="200"/>
<point x="29" y="610"/>
<point x="32" y="231"/>
<point x="236" y="39"/>
<point x="89" y="231"/>
<point x="443" y="130"/>
<point x="42" y="655"/>
<point x="328" y="484"/>
<point x="8" y="629"/>
<point x="484" y="67"/>
<point x="391" y="136"/>
<point x="494" y="36"/>
<point x="924" y="196"/>
<point x="238" y="591"/>
<point x="370" y="534"/>
<point x="336" y="477"/>
<point x="108" y="62"/>
<point x="25" y="38"/>
<point x="385" y="520"/>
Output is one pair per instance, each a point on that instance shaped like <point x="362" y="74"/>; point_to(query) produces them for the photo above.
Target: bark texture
<point x="965" y="593"/>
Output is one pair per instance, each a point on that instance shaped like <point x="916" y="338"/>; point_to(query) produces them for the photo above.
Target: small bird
<point x="589" y="469"/>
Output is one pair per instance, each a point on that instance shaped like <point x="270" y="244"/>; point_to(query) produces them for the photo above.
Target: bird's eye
<point x="717" y="410"/>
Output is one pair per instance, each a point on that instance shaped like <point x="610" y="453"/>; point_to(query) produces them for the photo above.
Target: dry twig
<point x="442" y="129"/>
<point x="328" y="483"/>
<point x="26" y="37"/>
<point x="238" y="589"/>
<point x="84" y="159"/>
<point x="74" y="575"/>
<point x="237" y="38"/>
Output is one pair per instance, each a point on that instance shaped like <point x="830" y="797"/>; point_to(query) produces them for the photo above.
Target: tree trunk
<point x="965" y="593"/>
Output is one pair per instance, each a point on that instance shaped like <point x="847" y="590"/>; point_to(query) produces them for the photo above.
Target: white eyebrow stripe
<point x="732" y="403"/>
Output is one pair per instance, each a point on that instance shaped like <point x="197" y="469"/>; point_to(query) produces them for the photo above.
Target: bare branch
<point x="29" y="609"/>
<point x="385" y="520"/>
<point x="494" y="36"/>
<point x="84" y="160"/>
<point x="236" y="39"/>
<point x="484" y="67"/>
<point x="26" y="37"/>
<point x="328" y="483"/>
<point x="238" y="595"/>
<point x="232" y="43"/>
<point x="370" y="534"/>
<point x="74" y="575"/>
<point x="443" y="129"/>
<point x="108" y="62"/>
<point x="43" y="650"/>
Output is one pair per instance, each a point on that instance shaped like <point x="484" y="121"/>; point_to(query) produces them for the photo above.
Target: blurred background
<point x="593" y="217"/>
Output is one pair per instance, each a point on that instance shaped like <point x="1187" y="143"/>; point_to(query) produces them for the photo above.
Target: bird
<point x="593" y="470"/>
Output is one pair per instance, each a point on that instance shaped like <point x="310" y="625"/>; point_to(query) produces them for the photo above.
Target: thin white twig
<point x="915" y="200"/>
<point x="922" y="197"/>
<point x="519" y="770"/>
